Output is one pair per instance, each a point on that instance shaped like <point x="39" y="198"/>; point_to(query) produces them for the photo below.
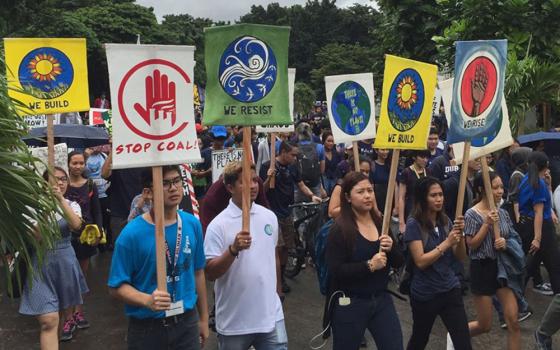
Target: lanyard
<point x="173" y="264"/>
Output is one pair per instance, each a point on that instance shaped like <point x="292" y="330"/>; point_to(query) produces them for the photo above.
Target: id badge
<point x="176" y="308"/>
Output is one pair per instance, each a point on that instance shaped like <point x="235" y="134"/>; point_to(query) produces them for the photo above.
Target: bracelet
<point x="232" y="253"/>
<point x="370" y="265"/>
<point x="439" y="250"/>
<point x="536" y="239"/>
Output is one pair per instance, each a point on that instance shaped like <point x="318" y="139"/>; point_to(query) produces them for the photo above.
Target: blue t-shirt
<point x="134" y="261"/>
<point x="439" y="277"/>
<point x="528" y="197"/>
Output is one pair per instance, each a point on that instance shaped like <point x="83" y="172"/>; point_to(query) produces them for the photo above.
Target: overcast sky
<point x="222" y="9"/>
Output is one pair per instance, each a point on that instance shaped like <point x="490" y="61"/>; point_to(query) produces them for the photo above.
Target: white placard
<point x="351" y="104"/>
<point x="291" y="88"/>
<point x="502" y="140"/>
<point x="222" y="158"/>
<point x="437" y="102"/>
<point x="60" y="157"/>
<point x="153" y="113"/>
<point x="35" y="121"/>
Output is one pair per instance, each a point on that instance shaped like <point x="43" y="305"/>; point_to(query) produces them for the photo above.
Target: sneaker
<point x="523" y="315"/>
<point x="542" y="341"/>
<point x="543" y="288"/>
<point x="68" y="329"/>
<point x="80" y="320"/>
<point x="503" y="324"/>
<point x="449" y="345"/>
<point x="363" y="343"/>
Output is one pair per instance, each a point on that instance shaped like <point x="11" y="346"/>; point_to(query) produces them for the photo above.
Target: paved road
<point x="303" y="309"/>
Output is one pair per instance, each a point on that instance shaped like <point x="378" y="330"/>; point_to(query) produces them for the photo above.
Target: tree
<point x="304" y="97"/>
<point x="25" y="197"/>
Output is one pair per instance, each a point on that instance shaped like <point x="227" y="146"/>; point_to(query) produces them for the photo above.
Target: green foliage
<point x="24" y="196"/>
<point x="304" y="96"/>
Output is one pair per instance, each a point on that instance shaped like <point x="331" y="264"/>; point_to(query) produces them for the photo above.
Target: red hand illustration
<point x="478" y="88"/>
<point x="160" y="99"/>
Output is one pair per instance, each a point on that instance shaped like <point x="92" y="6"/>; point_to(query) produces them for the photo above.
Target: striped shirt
<point x="474" y="221"/>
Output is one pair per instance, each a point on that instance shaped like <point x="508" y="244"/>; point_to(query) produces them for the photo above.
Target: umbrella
<point x="74" y="135"/>
<point x="538" y="136"/>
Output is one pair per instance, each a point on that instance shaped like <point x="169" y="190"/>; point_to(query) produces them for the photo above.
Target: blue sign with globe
<point x="351" y="107"/>
<point x="248" y="69"/>
<point x="406" y="99"/>
<point x="46" y="73"/>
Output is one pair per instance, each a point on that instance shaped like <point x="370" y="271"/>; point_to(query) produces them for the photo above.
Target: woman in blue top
<point x="483" y="253"/>
<point x="535" y="223"/>
<point x="332" y="158"/>
<point x="434" y="244"/>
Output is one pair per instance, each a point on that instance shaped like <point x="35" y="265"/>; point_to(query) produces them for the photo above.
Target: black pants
<point x="449" y="306"/>
<point x="106" y="215"/>
<point x="180" y="333"/>
<point x="378" y="315"/>
<point x="549" y="254"/>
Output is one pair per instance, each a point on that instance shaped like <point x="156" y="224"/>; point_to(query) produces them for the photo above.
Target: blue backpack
<point x="320" y="259"/>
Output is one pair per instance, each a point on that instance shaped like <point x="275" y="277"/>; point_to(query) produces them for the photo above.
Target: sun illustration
<point x="406" y="93"/>
<point x="44" y="67"/>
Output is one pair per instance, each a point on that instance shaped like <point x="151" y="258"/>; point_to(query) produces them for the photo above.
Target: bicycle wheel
<point x="296" y="258"/>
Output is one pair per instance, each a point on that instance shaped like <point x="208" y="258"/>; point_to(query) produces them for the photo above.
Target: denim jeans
<point x="277" y="339"/>
<point x="376" y="314"/>
<point x="153" y="334"/>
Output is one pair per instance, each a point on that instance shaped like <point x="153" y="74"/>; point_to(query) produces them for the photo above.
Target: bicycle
<point x="304" y="239"/>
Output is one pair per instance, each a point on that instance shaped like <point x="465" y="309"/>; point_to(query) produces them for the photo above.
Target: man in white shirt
<point x="244" y="266"/>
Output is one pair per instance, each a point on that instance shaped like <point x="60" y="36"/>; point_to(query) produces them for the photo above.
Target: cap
<point x="218" y="131"/>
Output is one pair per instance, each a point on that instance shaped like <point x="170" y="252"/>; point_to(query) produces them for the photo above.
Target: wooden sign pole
<point x="157" y="183"/>
<point x="50" y="147"/>
<point x="390" y="191"/>
<point x="463" y="179"/>
<point x="489" y="195"/>
<point x="246" y="175"/>
<point x="356" y="152"/>
<point x="272" y="182"/>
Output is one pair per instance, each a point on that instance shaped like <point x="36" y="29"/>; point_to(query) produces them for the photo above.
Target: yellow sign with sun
<point x="47" y="75"/>
<point x="406" y="107"/>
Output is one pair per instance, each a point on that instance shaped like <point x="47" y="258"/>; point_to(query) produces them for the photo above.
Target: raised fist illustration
<point x="478" y="88"/>
<point x="160" y="99"/>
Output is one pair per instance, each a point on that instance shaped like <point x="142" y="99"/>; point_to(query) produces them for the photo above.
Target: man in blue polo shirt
<point x="158" y="319"/>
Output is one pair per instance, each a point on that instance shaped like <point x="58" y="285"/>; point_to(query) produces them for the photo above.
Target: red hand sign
<point x="160" y="99"/>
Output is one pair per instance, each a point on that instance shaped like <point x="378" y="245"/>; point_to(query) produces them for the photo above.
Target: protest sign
<point x="477" y="89"/>
<point x="290" y="127"/>
<point x="351" y="101"/>
<point x="47" y="75"/>
<point x="247" y="75"/>
<point x="60" y="157"/>
<point x="98" y="116"/>
<point x="153" y="120"/>
<point x="406" y="106"/>
<point x="500" y="139"/>
<point x="35" y="121"/>
<point x="222" y="158"/>
<point x="437" y="102"/>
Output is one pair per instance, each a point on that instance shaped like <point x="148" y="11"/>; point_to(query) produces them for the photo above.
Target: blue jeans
<point x="328" y="184"/>
<point x="376" y="314"/>
<point x="275" y="340"/>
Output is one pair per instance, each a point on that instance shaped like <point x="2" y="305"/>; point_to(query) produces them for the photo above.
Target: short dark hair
<point x="74" y="153"/>
<point x="146" y="177"/>
<point x="233" y="171"/>
<point x="434" y="130"/>
<point x="287" y="146"/>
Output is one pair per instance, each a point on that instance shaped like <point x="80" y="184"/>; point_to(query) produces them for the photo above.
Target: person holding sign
<point x="159" y="319"/>
<point x="407" y="182"/>
<point x="244" y="266"/>
<point x="487" y="254"/>
<point x="435" y="243"/>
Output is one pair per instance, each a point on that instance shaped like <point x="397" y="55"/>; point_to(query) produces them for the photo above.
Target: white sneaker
<point x="449" y="343"/>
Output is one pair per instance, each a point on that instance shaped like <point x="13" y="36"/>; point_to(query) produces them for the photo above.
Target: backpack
<point x="320" y="258"/>
<point x="309" y="165"/>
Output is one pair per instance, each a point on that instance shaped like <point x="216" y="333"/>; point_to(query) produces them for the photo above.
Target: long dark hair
<point x="538" y="161"/>
<point x="478" y="185"/>
<point x="420" y="209"/>
<point x="347" y="219"/>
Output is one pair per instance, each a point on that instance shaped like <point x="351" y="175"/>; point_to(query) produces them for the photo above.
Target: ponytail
<point x="538" y="161"/>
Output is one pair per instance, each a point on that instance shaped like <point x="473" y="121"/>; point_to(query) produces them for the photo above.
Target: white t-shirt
<point x="246" y="298"/>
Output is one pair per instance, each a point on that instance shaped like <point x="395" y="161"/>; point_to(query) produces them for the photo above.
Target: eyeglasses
<point x="61" y="178"/>
<point x="177" y="182"/>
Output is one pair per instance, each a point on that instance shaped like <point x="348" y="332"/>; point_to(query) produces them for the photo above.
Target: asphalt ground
<point x="303" y="310"/>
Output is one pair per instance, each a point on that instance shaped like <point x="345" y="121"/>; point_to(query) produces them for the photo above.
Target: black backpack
<point x="406" y="278"/>
<point x="309" y="165"/>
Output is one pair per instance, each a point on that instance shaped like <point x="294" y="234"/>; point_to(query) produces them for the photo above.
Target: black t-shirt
<point x="409" y="179"/>
<point x="366" y="150"/>
<point x="125" y="185"/>
<point x="282" y="195"/>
